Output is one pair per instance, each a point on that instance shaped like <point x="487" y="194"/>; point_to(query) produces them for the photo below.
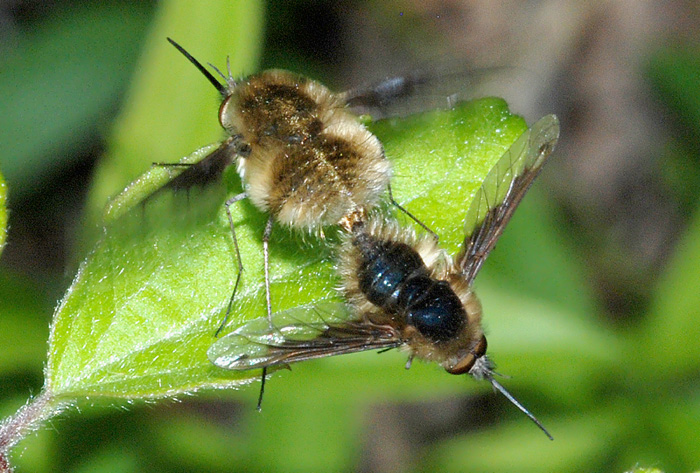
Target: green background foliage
<point x="3" y="212"/>
<point x="613" y="397"/>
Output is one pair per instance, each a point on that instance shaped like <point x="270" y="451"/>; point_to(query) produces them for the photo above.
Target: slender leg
<point x="239" y="261"/>
<point x="425" y="227"/>
<point x="268" y="299"/>
<point x="266" y="256"/>
<point x="409" y="362"/>
<point x="262" y="389"/>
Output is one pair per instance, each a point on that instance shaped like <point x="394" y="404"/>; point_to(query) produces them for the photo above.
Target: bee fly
<point x="402" y="290"/>
<point x="300" y="149"/>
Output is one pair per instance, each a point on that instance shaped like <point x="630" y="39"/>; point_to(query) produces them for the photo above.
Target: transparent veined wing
<point x="425" y="89"/>
<point x="198" y="169"/>
<point x="292" y="338"/>
<point x="502" y="190"/>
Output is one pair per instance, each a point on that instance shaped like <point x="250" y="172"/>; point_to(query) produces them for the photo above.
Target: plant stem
<point x="25" y="421"/>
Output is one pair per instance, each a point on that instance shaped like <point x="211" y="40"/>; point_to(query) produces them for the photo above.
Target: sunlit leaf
<point x="440" y="160"/>
<point x="144" y="306"/>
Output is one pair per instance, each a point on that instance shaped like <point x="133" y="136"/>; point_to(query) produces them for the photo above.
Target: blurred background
<point x="616" y="205"/>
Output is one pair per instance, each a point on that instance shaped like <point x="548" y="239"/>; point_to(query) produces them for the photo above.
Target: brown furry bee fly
<point x="301" y="150"/>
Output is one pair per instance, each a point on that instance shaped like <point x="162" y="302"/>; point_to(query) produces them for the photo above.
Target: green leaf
<point x="147" y="184"/>
<point x="440" y="160"/>
<point x="144" y="306"/>
<point x="168" y="96"/>
<point x="3" y="213"/>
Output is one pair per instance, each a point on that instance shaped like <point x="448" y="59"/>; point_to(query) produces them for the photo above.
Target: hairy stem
<point x="26" y="420"/>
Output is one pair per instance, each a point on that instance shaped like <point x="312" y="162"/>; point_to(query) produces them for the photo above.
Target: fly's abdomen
<point x="433" y="308"/>
<point x="384" y="268"/>
<point x="393" y="276"/>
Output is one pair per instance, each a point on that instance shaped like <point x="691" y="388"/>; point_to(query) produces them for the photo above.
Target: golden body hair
<point x="310" y="161"/>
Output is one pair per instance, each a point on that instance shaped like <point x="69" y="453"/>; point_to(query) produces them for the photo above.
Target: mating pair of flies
<point x="308" y="162"/>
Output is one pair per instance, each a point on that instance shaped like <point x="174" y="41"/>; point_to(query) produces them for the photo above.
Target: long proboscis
<point x="223" y="90"/>
<point x="515" y="402"/>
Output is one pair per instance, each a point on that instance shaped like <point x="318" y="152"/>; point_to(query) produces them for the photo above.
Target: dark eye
<point x="438" y="314"/>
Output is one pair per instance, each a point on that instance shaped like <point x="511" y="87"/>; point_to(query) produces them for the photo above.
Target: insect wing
<point x="427" y="89"/>
<point x="200" y="168"/>
<point x="257" y="344"/>
<point x="206" y="171"/>
<point x="502" y="190"/>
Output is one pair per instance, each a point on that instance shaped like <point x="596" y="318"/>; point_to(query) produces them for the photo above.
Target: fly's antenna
<point x="496" y="385"/>
<point x="223" y="90"/>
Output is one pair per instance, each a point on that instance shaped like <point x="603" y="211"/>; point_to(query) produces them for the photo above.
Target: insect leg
<point x="172" y="165"/>
<point x="413" y="217"/>
<point x="268" y="300"/>
<point x="266" y="257"/>
<point x="239" y="261"/>
<point x="409" y="362"/>
<point x="262" y="389"/>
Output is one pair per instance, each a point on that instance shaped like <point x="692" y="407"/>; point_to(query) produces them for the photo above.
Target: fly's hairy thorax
<point x="311" y="162"/>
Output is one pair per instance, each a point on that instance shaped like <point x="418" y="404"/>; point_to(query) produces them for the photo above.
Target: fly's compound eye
<point x="466" y="363"/>
<point x="226" y="112"/>
<point x="480" y="348"/>
<point x="438" y="313"/>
